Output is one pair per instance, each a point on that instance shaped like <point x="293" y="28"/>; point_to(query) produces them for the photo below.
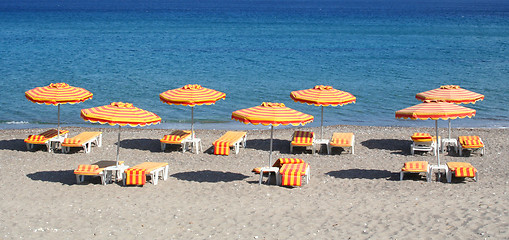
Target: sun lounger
<point x="291" y="171"/>
<point x="44" y="138"/>
<point x="303" y="139"/>
<point x="461" y="169"/>
<point x="177" y="137"/>
<point x="135" y="175"/>
<point x="423" y="142"/>
<point x="95" y="169"/>
<point x="471" y="143"/>
<point x="230" y="139"/>
<point x="342" y="140"/>
<point x="84" y="140"/>
<point x="416" y="167"/>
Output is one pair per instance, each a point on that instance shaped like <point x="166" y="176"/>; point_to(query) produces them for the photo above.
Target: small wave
<point x="17" y="122"/>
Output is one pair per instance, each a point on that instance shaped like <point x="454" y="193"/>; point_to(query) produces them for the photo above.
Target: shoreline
<point x="209" y="196"/>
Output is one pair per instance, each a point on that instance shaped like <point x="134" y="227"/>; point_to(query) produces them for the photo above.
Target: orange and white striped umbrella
<point x="191" y="95"/>
<point x="452" y="94"/>
<point x="122" y="114"/>
<point x="57" y="94"/>
<point x="322" y="96"/>
<point x="273" y="114"/>
<point x="435" y="110"/>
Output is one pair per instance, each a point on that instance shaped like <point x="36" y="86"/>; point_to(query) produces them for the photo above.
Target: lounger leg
<point x="163" y="146"/>
<point x="165" y="174"/>
<point x="100" y="140"/>
<point x="78" y="179"/>
<point x="291" y="148"/>
<point x="155" y="177"/>
<point x="401" y="174"/>
<point x="448" y="175"/>
<point x="412" y="149"/>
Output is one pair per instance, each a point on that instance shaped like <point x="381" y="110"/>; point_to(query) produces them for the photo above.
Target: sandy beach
<point x="218" y="197"/>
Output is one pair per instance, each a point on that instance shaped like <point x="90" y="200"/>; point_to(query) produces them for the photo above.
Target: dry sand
<point x="206" y="196"/>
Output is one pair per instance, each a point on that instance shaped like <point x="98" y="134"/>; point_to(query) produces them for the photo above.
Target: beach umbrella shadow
<point x="152" y="145"/>
<point x="362" y="174"/>
<point x="65" y="177"/>
<point x="13" y="144"/>
<point x="264" y="144"/>
<point x="209" y="176"/>
<point x="397" y="145"/>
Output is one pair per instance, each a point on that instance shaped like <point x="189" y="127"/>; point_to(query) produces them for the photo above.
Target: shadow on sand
<point x="363" y="174"/>
<point x="152" y="145"/>
<point x="65" y="177"/>
<point x="209" y="176"/>
<point x="398" y="146"/>
<point x="15" y="145"/>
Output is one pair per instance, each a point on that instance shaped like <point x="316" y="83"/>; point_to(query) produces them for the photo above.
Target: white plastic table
<point x="321" y="142"/>
<point x="195" y="145"/>
<point x="118" y="172"/>
<point x="269" y="170"/>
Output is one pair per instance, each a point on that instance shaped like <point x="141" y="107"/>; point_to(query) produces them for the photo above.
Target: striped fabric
<point x="341" y="139"/>
<point x="415" y="166"/>
<point x="322" y="95"/>
<point x="232" y="137"/>
<point x="435" y="110"/>
<point x="273" y="114"/>
<point x="120" y="113"/>
<point x="470" y="142"/>
<point x="81" y="138"/>
<point x="303" y="138"/>
<point x="281" y="161"/>
<point x="462" y="169"/>
<point x="291" y="174"/>
<point x="71" y="141"/>
<point x="44" y="137"/>
<point x="58" y="93"/>
<point x="135" y="176"/>
<point x="450" y="93"/>
<point x="420" y="136"/>
<point x="221" y="148"/>
<point x="87" y="170"/>
<point x="191" y="95"/>
<point x="176" y="137"/>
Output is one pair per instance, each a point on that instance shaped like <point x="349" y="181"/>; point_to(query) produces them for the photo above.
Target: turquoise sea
<point x="383" y="52"/>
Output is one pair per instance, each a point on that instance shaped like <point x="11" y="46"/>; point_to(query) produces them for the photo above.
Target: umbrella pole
<point x="118" y="145"/>
<point x="449" y="128"/>
<point x="437" y="146"/>
<point x="58" y="125"/>
<point x="192" y="122"/>
<point x="321" y="128"/>
<point x="271" y="137"/>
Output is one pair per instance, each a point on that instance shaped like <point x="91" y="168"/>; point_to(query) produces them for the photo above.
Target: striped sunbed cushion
<point x="303" y="138"/>
<point x="291" y="174"/>
<point x="462" y="169"/>
<point x="150" y="166"/>
<point x="81" y="138"/>
<point x="341" y="140"/>
<point x="470" y="142"/>
<point x="44" y="137"/>
<point x="88" y="170"/>
<point x="231" y="137"/>
<point x="134" y="176"/>
<point x="176" y="137"/>
<point x="281" y="161"/>
<point x="221" y="148"/>
<point x="415" y="166"/>
<point x="421" y="137"/>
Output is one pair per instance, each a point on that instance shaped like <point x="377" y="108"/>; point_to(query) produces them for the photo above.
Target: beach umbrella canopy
<point x="322" y="96"/>
<point x="273" y="114"/>
<point x="191" y="95"/>
<point x="121" y="114"/>
<point x="57" y="94"/>
<point x="435" y="110"/>
<point x="452" y="94"/>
